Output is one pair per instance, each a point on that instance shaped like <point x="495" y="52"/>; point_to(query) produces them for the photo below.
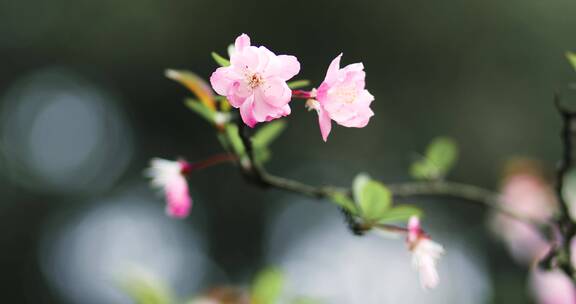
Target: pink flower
<point x="255" y="81"/>
<point x="425" y="254"/>
<point x="343" y="98"/>
<point x="527" y="194"/>
<point x="552" y="287"/>
<point x="169" y="176"/>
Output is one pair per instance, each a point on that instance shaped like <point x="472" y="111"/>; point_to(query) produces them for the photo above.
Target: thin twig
<point x="469" y="193"/>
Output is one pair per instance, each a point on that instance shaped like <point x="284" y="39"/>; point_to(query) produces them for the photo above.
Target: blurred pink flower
<point x="169" y="176"/>
<point x="552" y="287"/>
<point x="425" y="254"/>
<point x="343" y="98"/>
<point x="528" y="195"/>
<point x="255" y="81"/>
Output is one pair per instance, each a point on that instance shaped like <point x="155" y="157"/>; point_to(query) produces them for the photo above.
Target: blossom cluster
<point x="256" y="83"/>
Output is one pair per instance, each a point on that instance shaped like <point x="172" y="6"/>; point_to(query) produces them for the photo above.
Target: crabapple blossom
<point x="342" y="97"/>
<point x="526" y="193"/>
<point x="255" y="81"/>
<point x="425" y="254"/>
<point x="169" y="176"/>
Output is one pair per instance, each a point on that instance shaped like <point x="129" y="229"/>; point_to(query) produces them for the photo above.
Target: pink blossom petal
<point x="552" y="287"/>
<point x="279" y="112"/>
<point x="325" y="124"/>
<point x="247" y="112"/>
<point x="247" y="61"/>
<point x="221" y="80"/>
<point x="238" y="92"/>
<point x="333" y="70"/>
<point x="283" y="67"/>
<point x="264" y="111"/>
<point x="276" y="92"/>
<point x="339" y="112"/>
<point x="265" y="59"/>
<point x="178" y="197"/>
<point x="359" y="120"/>
<point x="241" y="42"/>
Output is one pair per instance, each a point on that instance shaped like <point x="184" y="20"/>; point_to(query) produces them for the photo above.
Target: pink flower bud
<point x="169" y="176"/>
<point x="425" y="254"/>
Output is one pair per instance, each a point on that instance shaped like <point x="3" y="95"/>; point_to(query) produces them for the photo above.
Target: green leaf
<point x="423" y="170"/>
<point x="264" y="137"/>
<point x="220" y="60"/>
<point x="146" y="290"/>
<point x="261" y="155"/>
<point x="234" y="139"/>
<point x="440" y="157"/>
<point x="343" y="201"/>
<point x="298" y="84"/>
<point x="442" y="152"/>
<point x="572" y="59"/>
<point x="267" y="287"/>
<point x="223" y="139"/>
<point x="200" y="109"/>
<point x="196" y="85"/>
<point x="400" y="213"/>
<point x="373" y="198"/>
<point x="268" y="133"/>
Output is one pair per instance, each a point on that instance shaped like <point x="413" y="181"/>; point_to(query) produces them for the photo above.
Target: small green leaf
<point x="267" y="287"/>
<point x="200" y="109"/>
<point x="442" y="152"/>
<point x="261" y="154"/>
<point x="373" y="198"/>
<point x="423" y="170"/>
<point x="343" y="201"/>
<point x="572" y="59"/>
<point x="400" y="213"/>
<point x="268" y="133"/>
<point x="196" y="85"/>
<point x="298" y="84"/>
<point x="440" y="157"/>
<point x="223" y="139"/>
<point x="234" y="139"/>
<point x="220" y="60"/>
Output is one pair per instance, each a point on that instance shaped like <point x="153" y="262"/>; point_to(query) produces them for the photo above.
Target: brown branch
<point x="259" y="176"/>
<point x="561" y="252"/>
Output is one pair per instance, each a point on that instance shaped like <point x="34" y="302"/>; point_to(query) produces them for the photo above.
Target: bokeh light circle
<point x="62" y="133"/>
<point x="323" y="260"/>
<point x="86" y="255"/>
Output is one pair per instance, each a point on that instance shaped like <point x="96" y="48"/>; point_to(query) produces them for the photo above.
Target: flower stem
<point x="213" y="160"/>
<point x="301" y="94"/>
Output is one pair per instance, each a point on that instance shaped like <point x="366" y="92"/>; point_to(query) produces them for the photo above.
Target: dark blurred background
<point x="84" y="105"/>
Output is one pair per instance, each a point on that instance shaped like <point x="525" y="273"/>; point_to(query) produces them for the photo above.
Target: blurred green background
<point x="85" y="105"/>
